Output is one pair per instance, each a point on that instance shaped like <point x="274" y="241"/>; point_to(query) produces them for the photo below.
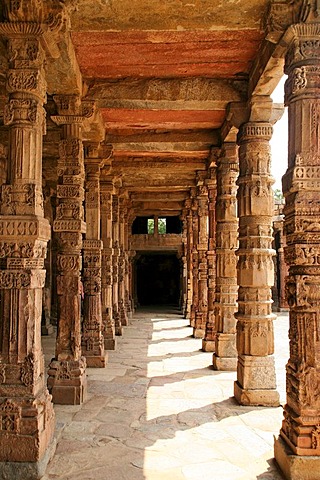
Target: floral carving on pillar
<point x="69" y="226"/>
<point x="208" y="343"/>
<point x="23" y="241"/>
<point x="299" y="434"/>
<point x="92" y="342"/>
<point x="108" y="325"/>
<point x="201" y="311"/>
<point x="225" y="356"/>
<point x="256" y="381"/>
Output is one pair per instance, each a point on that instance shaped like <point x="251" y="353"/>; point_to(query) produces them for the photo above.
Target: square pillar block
<point x="295" y="467"/>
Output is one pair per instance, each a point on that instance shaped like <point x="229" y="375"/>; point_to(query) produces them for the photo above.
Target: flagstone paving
<point x="159" y="412"/>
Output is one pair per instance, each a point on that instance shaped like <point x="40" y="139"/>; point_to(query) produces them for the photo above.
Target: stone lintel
<point x="295" y="467"/>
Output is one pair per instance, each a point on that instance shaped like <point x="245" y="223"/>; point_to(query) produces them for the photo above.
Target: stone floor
<point x="159" y="412"/>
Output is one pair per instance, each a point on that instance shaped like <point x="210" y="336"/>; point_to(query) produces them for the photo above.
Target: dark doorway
<point x="158" y="279"/>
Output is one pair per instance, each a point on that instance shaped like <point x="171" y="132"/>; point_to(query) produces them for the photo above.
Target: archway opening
<point x="158" y="278"/>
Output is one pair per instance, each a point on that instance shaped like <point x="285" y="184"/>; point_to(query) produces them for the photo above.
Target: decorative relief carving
<point x="27" y="371"/>
<point x="10" y="417"/>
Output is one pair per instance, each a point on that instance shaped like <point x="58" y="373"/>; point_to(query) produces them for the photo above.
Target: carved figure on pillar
<point x="256" y="380"/>
<point x="299" y="435"/>
<point x="92" y="339"/>
<point x="26" y="410"/>
<point x="67" y="378"/>
<point x="225" y="356"/>
<point x="208" y="343"/>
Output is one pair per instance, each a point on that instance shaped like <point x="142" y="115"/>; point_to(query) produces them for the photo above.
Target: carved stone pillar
<point x="115" y="265"/>
<point x="225" y="356"/>
<point x="127" y="260"/>
<point x="256" y="380"/>
<point x="208" y="343"/>
<point x="282" y="271"/>
<point x="67" y="377"/>
<point x="199" y="328"/>
<point x="194" y="259"/>
<point x="189" y="248"/>
<point x="122" y="266"/>
<point x="92" y="342"/>
<point x="298" y="449"/>
<point x="106" y="191"/>
<point x="184" y="272"/>
<point x="26" y="411"/>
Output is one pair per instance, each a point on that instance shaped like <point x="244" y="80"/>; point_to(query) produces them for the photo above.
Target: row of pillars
<point x="26" y="411"/>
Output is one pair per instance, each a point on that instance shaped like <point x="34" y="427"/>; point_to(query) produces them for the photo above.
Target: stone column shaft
<point x="256" y="380"/>
<point x="122" y="271"/>
<point x="26" y="411"/>
<point x="92" y="342"/>
<point x="300" y="432"/>
<point x="208" y="343"/>
<point x="199" y="328"/>
<point x="67" y="378"/>
<point x="107" y="188"/>
<point x="115" y="265"/>
<point x="225" y="356"/>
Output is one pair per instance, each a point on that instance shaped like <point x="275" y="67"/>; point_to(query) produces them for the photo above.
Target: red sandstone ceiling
<point x="162" y="73"/>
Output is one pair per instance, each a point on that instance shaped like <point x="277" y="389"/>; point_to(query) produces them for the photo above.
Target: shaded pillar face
<point x="115" y="265"/>
<point x="92" y="342"/>
<point x="26" y="411"/>
<point x="208" y="343"/>
<point x="300" y="432"/>
<point x="201" y="312"/>
<point x="189" y="247"/>
<point x="256" y="381"/>
<point x="108" y="326"/>
<point x="194" y="260"/>
<point x="225" y="356"/>
<point x="67" y="379"/>
<point x="122" y="266"/>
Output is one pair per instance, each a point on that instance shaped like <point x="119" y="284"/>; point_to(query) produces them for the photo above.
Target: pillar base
<point x="110" y="343"/>
<point x="119" y="331"/>
<point x="208" y="345"/>
<point x="265" y="398"/>
<point x="198" y="333"/>
<point x="295" y="467"/>
<point x="67" y="381"/>
<point x="97" y="361"/>
<point x="224" y="363"/>
<point x="28" y="470"/>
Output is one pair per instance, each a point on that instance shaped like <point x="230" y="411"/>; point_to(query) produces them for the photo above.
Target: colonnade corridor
<point x="159" y="411"/>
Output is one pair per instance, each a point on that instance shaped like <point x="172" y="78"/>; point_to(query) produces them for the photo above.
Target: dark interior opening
<point x="158" y="279"/>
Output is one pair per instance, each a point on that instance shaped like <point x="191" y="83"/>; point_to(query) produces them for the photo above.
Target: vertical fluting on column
<point x="92" y="342"/>
<point x="67" y="377"/>
<point x="106" y="191"/>
<point x="199" y="328"/>
<point x="256" y="380"/>
<point x="300" y="432"/>
<point x="225" y="356"/>
<point x="26" y="411"/>
<point x="115" y="265"/>
<point x="208" y="343"/>
<point x="122" y="265"/>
